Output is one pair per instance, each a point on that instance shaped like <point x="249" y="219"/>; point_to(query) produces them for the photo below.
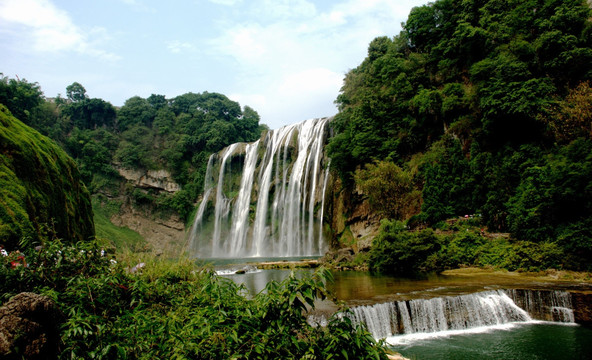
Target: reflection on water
<point x="362" y="288"/>
<point x="256" y="281"/>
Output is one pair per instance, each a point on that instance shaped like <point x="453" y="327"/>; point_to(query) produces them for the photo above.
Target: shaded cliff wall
<point x="350" y="221"/>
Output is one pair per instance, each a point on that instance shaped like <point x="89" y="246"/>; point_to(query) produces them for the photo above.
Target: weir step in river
<point x="488" y="308"/>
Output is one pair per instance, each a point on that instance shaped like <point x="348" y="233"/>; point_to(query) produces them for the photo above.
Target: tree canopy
<point x="486" y="103"/>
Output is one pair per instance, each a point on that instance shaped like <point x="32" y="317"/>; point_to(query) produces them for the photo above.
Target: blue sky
<point x="284" y="58"/>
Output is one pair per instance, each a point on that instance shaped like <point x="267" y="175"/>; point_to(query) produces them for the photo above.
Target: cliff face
<point x="160" y="180"/>
<point x="352" y="223"/>
<point x="41" y="194"/>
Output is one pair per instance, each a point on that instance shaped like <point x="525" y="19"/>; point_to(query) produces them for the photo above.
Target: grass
<point x="123" y="238"/>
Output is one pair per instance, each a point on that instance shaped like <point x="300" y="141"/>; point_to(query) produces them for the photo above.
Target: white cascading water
<point x="551" y="305"/>
<point x="487" y="308"/>
<point x="240" y="217"/>
<point x="274" y="211"/>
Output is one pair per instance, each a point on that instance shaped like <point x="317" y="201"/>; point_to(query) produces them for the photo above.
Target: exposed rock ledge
<point x="150" y="179"/>
<point x="164" y="236"/>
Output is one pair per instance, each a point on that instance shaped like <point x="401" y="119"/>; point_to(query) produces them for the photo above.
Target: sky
<point x="284" y="58"/>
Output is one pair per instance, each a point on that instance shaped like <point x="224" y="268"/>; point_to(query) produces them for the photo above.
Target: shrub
<point x="162" y="310"/>
<point x="401" y="252"/>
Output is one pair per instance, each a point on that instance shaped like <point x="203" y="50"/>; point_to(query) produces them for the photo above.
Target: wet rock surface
<point x="582" y="304"/>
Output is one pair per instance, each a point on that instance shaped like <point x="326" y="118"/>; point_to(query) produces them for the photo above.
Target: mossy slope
<point x="41" y="194"/>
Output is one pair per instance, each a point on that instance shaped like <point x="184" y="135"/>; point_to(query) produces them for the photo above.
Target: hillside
<point x="476" y="108"/>
<point x="41" y="194"/>
<point x="144" y="163"/>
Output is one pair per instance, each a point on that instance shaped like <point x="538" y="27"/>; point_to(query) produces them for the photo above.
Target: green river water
<point x="538" y="340"/>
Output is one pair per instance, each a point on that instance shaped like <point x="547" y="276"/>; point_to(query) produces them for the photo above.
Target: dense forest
<point x="480" y="108"/>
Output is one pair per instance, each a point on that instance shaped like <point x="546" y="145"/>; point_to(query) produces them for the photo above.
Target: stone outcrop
<point x="160" y="180"/>
<point x="164" y="236"/>
<point x="353" y="224"/>
<point x="582" y="305"/>
<point x="29" y="327"/>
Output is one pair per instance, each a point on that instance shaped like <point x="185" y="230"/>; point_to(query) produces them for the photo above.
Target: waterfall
<point x="549" y="305"/>
<point x="487" y="308"/>
<point x="276" y="208"/>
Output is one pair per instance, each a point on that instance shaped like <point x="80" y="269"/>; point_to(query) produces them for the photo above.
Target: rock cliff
<point x="351" y="220"/>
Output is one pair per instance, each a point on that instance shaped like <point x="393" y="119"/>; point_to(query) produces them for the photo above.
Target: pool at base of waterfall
<point x="523" y="341"/>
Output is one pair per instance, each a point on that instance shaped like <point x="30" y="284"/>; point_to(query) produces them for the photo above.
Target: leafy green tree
<point x="447" y="190"/>
<point x="75" y="92"/>
<point x="20" y="97"/>
<point x="398" y="251"/>
<point x="135" y="111"/>
<point x="390" y="190"/>
<point x="90" y="113"/>
<point x="157" y="101"/>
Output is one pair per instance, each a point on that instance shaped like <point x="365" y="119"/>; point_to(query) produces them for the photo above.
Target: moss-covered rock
<point x="41" y="194"/>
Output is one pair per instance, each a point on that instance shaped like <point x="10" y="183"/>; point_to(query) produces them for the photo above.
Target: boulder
<point x="29" y="327"/>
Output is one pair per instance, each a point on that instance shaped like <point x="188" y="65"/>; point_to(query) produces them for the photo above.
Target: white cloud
<point x="255" y="101"/>
<point x="226" y="2"/>
<point x="313" y="81"/>
<point x="178" y="47"/>
<point x="285" y="9"/>
<point x="297" y="55"/>
<point x="293" y="97"/>
<point x="48" y="28"/>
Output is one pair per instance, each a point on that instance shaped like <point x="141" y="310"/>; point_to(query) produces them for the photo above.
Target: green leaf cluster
<point x="400" y="251"/>
<point x="485" y="70"/>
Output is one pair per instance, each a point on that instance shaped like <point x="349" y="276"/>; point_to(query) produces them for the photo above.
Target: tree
<point x="390" y="190"/>
<point x="158" y="101"/>
<point x="135" y="111"/>
<point x="75" y="92"/>
<point x="20" y="96"/>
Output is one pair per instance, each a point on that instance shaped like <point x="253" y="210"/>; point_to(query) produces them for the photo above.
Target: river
<point x="527" y="338"/>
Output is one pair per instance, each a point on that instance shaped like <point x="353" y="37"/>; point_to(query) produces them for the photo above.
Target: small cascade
<point x="276" y="208"/>
<point x="548" y="305"/>
<point x="487" y="308"/>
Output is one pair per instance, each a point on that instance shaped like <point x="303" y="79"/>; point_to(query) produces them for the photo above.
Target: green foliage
<point x="571" y="118"/>
<point x="401" y="252"/>
<point x="156" y="133"/>
<point x="75" y="92"/>
<point x="485" y="71"/>
<point x="41" y="192"/>
<point x="174" y="310"/>
<point x="107" y="234"/>
<point x="447" y="190"/>
<point x="390" y="190"/>
<point x="20" y="96"/>
<point x="464" y="248"/>
<point x="90" y="113"/>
